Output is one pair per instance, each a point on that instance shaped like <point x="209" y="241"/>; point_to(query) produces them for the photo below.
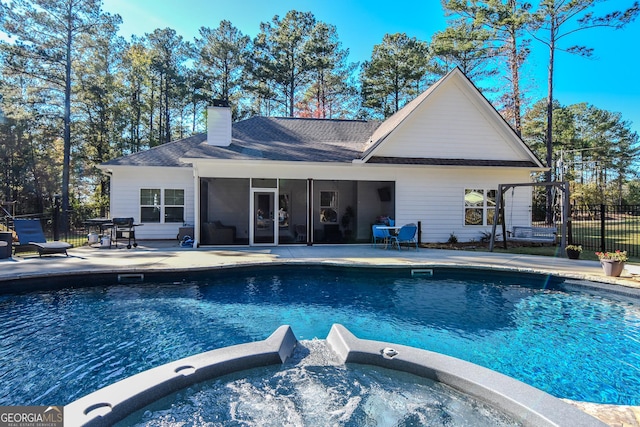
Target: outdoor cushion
<point x="30" y="235"/>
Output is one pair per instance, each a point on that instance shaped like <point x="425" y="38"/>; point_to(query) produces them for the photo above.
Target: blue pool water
<point x="58" y="345"/>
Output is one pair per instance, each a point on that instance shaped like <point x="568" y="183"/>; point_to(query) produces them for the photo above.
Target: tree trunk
<point x="66" y="163"/>
<point x="515" y="84"/>
<point x="167" y="113"/>
<point x="515" y="75"/>
<point x="292" y="89"/>
<point x="151" y="111"/>
<point x="549" y="136"/>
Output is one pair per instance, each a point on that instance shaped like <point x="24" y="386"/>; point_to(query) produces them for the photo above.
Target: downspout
<point x="310" y="237"/>
<point x="196" y="206"/>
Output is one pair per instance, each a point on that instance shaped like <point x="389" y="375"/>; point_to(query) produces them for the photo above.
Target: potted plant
<point x="612" y="262"/>
<point x="573" y="251"/>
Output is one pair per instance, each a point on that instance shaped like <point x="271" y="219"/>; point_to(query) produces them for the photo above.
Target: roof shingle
<point x="267" y="138"/>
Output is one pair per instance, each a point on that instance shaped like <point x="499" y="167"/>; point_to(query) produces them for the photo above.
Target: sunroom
<point x="268" y="211"/>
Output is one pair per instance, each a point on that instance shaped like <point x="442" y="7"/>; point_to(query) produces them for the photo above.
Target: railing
<point x="606" y="228"/>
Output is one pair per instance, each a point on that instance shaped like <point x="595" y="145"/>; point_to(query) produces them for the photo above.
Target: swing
<point x="529" y="233"/>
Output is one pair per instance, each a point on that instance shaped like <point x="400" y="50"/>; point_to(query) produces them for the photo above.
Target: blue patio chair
<point x="407" y="234"/>
<point x="392" y="222"/>
<point x="31" y="236"/>
<point x="379" y="234"/>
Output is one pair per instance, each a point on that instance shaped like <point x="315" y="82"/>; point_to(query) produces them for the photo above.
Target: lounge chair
<point x="31" y="236"/>
<point x="407" y="234"/>
<point x="379" y="234"/>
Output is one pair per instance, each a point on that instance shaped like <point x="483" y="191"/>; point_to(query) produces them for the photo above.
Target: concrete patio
<point x="155" y="256"/>
<point x="168" y="256"/>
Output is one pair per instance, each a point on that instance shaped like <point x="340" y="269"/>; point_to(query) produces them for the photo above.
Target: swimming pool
<point x="59" y="345"/>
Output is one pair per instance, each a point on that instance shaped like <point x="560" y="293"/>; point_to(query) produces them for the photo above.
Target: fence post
<point x="569" y="232"/>
<point x="56" y="217"/>
<point x="603" y="217"/>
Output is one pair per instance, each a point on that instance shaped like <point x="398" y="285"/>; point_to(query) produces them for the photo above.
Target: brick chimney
<point x="219" y="124"/>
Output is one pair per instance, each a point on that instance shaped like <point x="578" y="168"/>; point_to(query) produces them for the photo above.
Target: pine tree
<point x="557" y="19"/>
<point x="498" y="26"/>
<point x="46" y="35"/>
<point x="280" y="62"/>
<point x="396" y="73"/>
<point x="222" y="57"/>
<point x="330" y="91"/>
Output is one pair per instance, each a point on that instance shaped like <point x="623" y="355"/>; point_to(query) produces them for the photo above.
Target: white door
<point x="263" y="218"/>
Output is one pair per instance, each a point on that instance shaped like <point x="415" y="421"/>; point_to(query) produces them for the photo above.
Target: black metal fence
<point x="597" y="228"/>
<point x="75" y="231"/>
<point x="606" y="228"/>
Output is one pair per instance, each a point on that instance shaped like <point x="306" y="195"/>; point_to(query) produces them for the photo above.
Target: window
<point x="173" y="205"/>
<point x="329" y="206"/>
<point x="152" y="206"/>
<point x="479" y="206"/>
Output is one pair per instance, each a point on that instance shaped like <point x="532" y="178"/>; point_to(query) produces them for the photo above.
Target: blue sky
<point x="610" y="80"/>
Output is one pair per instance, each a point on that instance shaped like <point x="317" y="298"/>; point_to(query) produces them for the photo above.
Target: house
<point x="270" y="181"/>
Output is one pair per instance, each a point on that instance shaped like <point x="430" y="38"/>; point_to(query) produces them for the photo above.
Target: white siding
<point x="452" y="123"/>
<point x="436" y="198"/>
<point x="126" y="183"/>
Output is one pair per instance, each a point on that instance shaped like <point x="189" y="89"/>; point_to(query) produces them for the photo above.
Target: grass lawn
<point x="542" y="250"/>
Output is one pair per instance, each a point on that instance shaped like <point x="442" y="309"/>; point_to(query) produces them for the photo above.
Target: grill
<point x="125" y="229"/>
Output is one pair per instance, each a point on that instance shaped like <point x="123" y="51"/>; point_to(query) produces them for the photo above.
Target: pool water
<point x="59" y="345"/>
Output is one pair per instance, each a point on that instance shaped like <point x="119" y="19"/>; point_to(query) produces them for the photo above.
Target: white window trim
<point x="485" y="206"/>
<point x="162" y="206"/>
<point x="165" y="205"/>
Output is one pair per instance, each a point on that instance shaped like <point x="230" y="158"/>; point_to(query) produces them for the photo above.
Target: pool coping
<point x="116" y="401"/>
<point x="151" y="256"/>
<point x="608" y="284"/>
<point x="523" y="403"/>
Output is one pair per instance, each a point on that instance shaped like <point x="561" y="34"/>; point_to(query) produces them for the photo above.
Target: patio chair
<point x="407" y="234"/>
<point x="379" y="234"/>
<point x="301" y="232"/>
<point x="31" y="236"/>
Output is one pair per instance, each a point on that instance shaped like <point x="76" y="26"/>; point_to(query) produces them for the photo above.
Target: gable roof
<point x="439" y="110"/>
<point x="344" y="141"/>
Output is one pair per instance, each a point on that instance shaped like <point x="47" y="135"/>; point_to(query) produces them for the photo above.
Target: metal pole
<point x="56" y="217"/>
<point x="310" y="236"/>
<point x="565" y="215"/>
<point x="495" y="219"/>
<point x="603" y="217"/>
